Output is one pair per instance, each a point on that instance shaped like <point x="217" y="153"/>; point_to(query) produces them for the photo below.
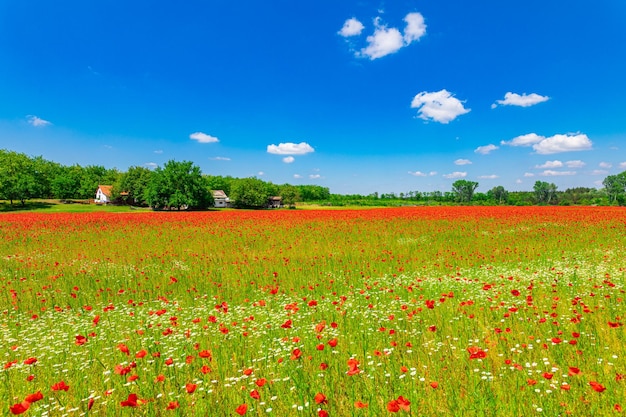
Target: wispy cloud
<point x="489" y="177"/>
<point x="553" y="144"/>
<point x="485" y="150"/>
<point x="552" y="173"/>
<point x="151" y="165"/>
<point x="600" y="172"/>
<point x="528" y="174"/>
<point x="550" y="165"/>
<point x="622" y="165"/>
<point x="440" y="106"/>
<point x="575" y="164"/>
<point x="462" y="162"/>
<point x="158" y="151"/>
<point x="289" y="148"/>
<point x="203" y="137"/>
<point x="288" y="159"/>
<point x="219" y="158"/>
<point x="260" y="173"/>
<point x="37" y="121"/>
<point x="605" y="165"/>
<point x="315" y="176"/>
<point x="418" y="173"/>
<point x="456" y="174"/>
<point x="351" y="27"/>
<point x="297" y="176"/>
<point x="523" y="100"/>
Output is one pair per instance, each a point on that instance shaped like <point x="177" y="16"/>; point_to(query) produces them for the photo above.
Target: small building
<point x="220" y="199"/>
<point x="275" y="202"/>
<point x="103" y="194"/>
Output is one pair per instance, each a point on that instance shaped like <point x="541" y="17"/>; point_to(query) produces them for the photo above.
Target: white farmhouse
<point x="103" y="194"/>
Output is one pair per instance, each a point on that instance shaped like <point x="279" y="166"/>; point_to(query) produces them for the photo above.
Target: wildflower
<point x="596" y="386"/>
<point x="242" y="409"/>
<point x="60" y="386"/>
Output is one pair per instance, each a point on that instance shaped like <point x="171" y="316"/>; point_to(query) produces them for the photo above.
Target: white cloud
<point x="605" y="165"/>
<point x="37" y="121"/>
<point x="432" y="173"/>
<point x="386" y="40"/>
<point x="551" y="173"/>
<point x="203" y="137"/>
<point x="550" y="165"/>
<point x="297" y="176"/>
<point x="528" y="174"/>
<point x="599" y="172"/>
<point x="622" y="165"/>
<point x="518" y="181"/>
<point x="289" y="148"/>
<point x="418" y="174"/>
<point x="260" y="173"/>
<point x="220" y="158"/>
<point x="462" y="162"/>
<point x="151" y="165"/>
<point x="288" y="159"/>
<point x="455" y="175"/>
<point x="440" y="106"/>
<point x="524" y="140"/>
<point x="485" y="150"/>
<point x="351" y="27"/>
<point x="563" y="143"/>
<point x="575" y="164"/>
<point x="315" y="176"/>
<point x="524" y="100"/>
<point x="553" y="144"/>
<point x="159" y="151"/>
<point x="415" y="27"/>
<point x="488" y="177"/>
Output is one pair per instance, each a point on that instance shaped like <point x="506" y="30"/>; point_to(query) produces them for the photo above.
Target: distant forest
<point x="183" y="185"/>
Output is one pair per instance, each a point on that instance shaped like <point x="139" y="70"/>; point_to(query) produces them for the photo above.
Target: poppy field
<point x="462" y="311"/>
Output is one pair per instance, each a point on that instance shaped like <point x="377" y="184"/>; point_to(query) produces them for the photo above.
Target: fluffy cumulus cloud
<point x="487" y="149"/>
<point x="151" y="165"/>
<point x="605" y="165"/>
<point x="203" y="138"/>
<point x="488" y="177"/>
<point x="599" y="172"/>
<point x="290" y="148"/>
<point x="563" y="143"/>
<point x="385" y="40"/>
<point x="552" y="173"/>
<point x="622" y="165"/>
<point x="297" y="176"/>
<point x="288" y="159"/>
<point x="418" y="173"/>
<point x="455" y="175"/>
<point x="37" y="121"/>
<point x="315" y="176"/>
<point x="440" y="106"/>
<point x="523" y="100"/>
<point x="351" y="27"/>
<point x="462" y="162"/>
<point x="550" y="165"/>
<point x="528" y="174"/>
<point x="553" y="144"/>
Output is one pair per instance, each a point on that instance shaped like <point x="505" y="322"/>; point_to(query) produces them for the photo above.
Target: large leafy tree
<point x="19" y="179"/>
<point x="290" y="194"/>
<point x="250" y="193"/>
<point x="177" y="185"/>
<point x="66" y="182"/>
<point x="464" y="190"/>
<point x="545" y="193"/>
<point x="615" y="187"/>
<point x="499" y="194"/>
<point x="133" y="182"/>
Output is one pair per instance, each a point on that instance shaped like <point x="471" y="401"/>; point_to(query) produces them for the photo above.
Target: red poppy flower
<point x="30" y="361"/>
<point x="205" y="369"/>
<point x="20" y="408"/>
<point x="141" y="354"/>
<point x="360" y="404"/>
<point x="322" y="413"/>
<point x="60" y="386"/>
<point x="173" y="405"/>
<point x="353" y="367"/>
<point x="434" y="384"/>
<point x="573" y="371"/>
<point x="476" y="352"/>
<point x="332" y="342"/>
<point x="32" y="398"/>
<point x="296" y="354"/>
<point x="255" y="394"/>
<point x="131" y="401"/>
<point x="80" y="340"/>
<point x="205" y="354"/>
<point x="320" y="398"/>
<point x="260" y="382"/>
<point x="548" y="375"/>
<point x="596" y="386"/>
<point x="242" y="409"/>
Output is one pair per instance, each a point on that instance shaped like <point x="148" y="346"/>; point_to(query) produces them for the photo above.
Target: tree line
<point x="181" y="184"/>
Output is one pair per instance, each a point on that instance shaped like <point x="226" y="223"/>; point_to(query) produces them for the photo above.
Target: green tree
<point x="464" y="190"/>
<point x="134" y="182"/>
<point x="249" y="193"/>
<point x="177" y="185"/>
<point x="66" y="182"/>
<point x="18" y="177"/>
<point x="290" y="194"/>
<point x="544" y="192"/>
<point x="499" y="194"/>
<point x="615" y="187"/>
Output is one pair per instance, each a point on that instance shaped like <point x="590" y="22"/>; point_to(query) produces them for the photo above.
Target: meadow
<point x="460" y="311"/>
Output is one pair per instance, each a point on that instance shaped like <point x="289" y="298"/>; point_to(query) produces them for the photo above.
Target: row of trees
<point x="174" y="186"/>
<point x="182" y="184"/>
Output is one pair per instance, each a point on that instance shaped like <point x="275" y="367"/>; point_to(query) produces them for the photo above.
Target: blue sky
<point x="357" y="96"/>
